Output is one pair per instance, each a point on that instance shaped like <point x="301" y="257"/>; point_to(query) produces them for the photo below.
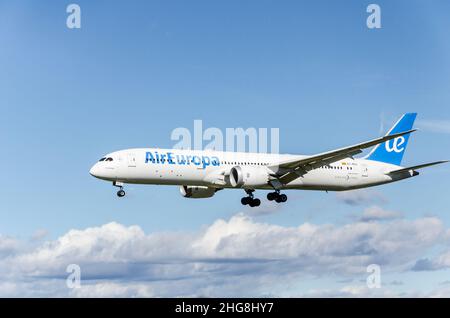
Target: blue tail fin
<point x="392" y="151"/>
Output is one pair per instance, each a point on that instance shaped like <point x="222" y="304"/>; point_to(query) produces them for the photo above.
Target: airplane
<point x="201" y="173"/>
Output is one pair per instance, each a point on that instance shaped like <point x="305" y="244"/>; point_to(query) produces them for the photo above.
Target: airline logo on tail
<point x="396" y="143"/>
<point x="392" y="151"/>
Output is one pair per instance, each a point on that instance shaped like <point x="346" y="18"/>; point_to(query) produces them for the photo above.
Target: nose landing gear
<point x="250" y="200"/>
<point x="121" y="193"/>
<point x="276" y="196"/>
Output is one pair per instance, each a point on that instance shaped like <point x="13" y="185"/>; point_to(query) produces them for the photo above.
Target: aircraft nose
<point x="94" y="171"/>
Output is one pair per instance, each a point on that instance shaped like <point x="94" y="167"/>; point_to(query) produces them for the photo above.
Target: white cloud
<point x="352" y="291"/>
<point x="8" y="245"/>
<point x="361" y="197"/>
<point x="113" y="289"/>
<point x="235" y="257"/>
<point x="442" y="261"/>
<point x="436" y="125"/>
<point x="39" y="235"/>
<point x="361" y="291"/>
<point x="396" y="283"/>
<point x="443" y="292"/>
<point x="375" y="213"/>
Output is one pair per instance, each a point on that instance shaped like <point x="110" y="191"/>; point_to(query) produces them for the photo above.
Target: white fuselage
<point x="212" y="169"/>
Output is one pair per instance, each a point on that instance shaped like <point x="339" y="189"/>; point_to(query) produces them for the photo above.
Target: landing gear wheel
<point x="255" y="202"/>
<point x="119" y="185"/>
<point x="281" y="198"/>
<point x="272" y="196"/>
<point x="250" y="200"/>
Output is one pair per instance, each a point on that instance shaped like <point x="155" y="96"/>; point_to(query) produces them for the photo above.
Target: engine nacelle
<point x="197" y="192"/>
<point x="248" y="176"/>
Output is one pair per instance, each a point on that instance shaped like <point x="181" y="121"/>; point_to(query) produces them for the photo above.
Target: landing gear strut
<point x="276" y="196"/>
<point x="250" y="200"/>
<point x="121" y="193"/>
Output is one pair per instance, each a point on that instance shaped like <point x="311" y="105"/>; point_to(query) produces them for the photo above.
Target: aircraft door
<point x="353" y="173"/>
<point x="131" y="159"/>
<point x="364" y="170"/>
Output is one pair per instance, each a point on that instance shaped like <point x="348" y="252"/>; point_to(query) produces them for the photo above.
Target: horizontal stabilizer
<point x="417" y="167"/>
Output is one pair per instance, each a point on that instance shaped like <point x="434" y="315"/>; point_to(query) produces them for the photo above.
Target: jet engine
<point x="197" y="192"/>
<point x="247" y="177"/>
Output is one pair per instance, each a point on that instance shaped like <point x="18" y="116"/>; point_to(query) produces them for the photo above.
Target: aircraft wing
<point x="294" y="168"/>
<point x="417" y="167"/>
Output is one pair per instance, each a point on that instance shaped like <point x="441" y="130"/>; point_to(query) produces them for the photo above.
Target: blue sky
<point x="137" y="70"/>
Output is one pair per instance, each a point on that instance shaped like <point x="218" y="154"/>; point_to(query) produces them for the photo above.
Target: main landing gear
<point x="276" y="196"/>
<point x="121" y="193"/>
<point x="250" y="200"/>
<point x="271" y="196"/>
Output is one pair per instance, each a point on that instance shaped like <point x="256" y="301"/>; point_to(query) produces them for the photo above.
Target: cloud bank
<point x="235" y="257"/>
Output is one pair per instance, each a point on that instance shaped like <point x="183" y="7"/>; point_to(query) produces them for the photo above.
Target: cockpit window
<point x="106" y="159"/>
